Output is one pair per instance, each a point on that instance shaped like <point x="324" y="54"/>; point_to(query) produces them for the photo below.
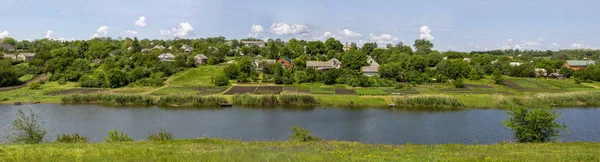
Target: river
<point x="380" y="126"/>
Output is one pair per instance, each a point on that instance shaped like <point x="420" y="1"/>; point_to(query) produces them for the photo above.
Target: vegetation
<point x="116" y="136"/>
<point x="429" y="102"/>
<point x="249" y="100"/>
<point x="162" y="135"/>
<point x="74" y="138"/>
<point x="191" y="101"/>
<point x="302" y="135"/>
<point x="108" y="99"/>
<point x="534" y="125"/>
<point x="297" y="100"/>
<point x="27" y="128"/>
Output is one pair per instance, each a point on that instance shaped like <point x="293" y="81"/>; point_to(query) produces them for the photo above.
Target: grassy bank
<point x="228" y="150"/>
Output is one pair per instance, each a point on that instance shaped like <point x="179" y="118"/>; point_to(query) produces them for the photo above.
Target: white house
<point x="515" y="64"/>
<point x="372" y="69"/>
<point x="166" y="57"/>
<point x="201" y="59"/>
<point x="251" y="43"/>
<point x="160" y="47"/>
<point x="324" y="65"/>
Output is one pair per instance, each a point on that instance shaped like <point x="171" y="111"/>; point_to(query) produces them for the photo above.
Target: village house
<point x="187" y="48"/>
<point x="7" y="47"/>
<point x="578" y="64"/>
<point x="346" y="47"/>
<point x="324" y="65"/>
<point x="251" y="43"/>
<point x="26" y="56"/>
<point x="160" y="47"/>
<point x="541" y="72"/>
<point x="515" y="64"/>
<point x="285" y="62"/>
<point x="10" y="56"/>
<point x="166" y="57"/>
<point x="145" y="50"/>
<point x="372" y="69"/>
<point x="467" y="60"/>
<point x="201" y="59"/>
<point x="259" y="64"/>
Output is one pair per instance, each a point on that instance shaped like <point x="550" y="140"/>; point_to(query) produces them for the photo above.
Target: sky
<point x="459" y="25"/>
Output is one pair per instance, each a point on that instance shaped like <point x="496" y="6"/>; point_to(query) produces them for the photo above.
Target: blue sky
<point x="462" y="25"/>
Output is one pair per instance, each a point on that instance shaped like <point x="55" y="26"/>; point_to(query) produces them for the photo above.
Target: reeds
<point x="108" y="99"/>
<point x="429" y="102"/>
<point x="249" y="100"/>
<point x="191" y="101"/>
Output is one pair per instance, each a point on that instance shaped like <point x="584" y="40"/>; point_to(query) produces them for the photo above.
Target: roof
<point x="28" y="54"/>
<point x="580" y="62"/>
<point x="166" y="55"/>
<point x="369" y="69"/>
<point x="319" y="64"/>
<point x="266" y="61"/>
<point x="372" y="61"/>
<point x="202" y="56"/>
<point x="287" y="59"/>
<point x="7" y="46"/>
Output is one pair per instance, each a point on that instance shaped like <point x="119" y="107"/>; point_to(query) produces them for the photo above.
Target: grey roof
<point x="201" y="56"/>
<point x="319" y="64"/>
<point x="28" y="54"/>
<point x="7" y="46"/>
<point x="268" y="61"/>
<point x="369" y="69"/>
<point x="580" y="62"/>
<point x="166" y="56"/>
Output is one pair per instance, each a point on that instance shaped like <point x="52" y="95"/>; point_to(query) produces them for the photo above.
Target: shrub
<point x="458" y="83"/>
<point x="303" y="135"/>
<point x="28" y="128"/>
<point x="498" y="78"/>
<point x="162" y="135"/>
<point x="116" y="136"/>
<point x="62" y="81"/>
<point x="75" y="138"/>
<point x="429" y="102"/>
<point x="534" y="125"/>
<point x="35" y="86"/>
<point x="249" y="100"/>
<point x="108" y="99"/>
<point x="220" y="80"/>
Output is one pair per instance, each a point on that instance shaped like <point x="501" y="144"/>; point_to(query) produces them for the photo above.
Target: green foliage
<point x="454" y="68"/>
<point x="162" y="135"/>
<point x="28" y="128"/>
<point x="458" y="83"/>
<point x="191" y="101"/>
<point x="221" y="80"/>
<point x="8" y="78"/>
<point x="476" y="74"/>
<point x="497" y="77"/>
<point x="74" y="138"/>
<point x="534" y="125"/>
<point x="108" y="99"/>
<point x="423" y="46"/>
<point x="116" y="136"/>
<point x="297" y="100"/>
<point x="429" y="102"/>
<point x="249" y="100"/>
<point x="35" y="86"/>
<point x="368" y="48"/>
<point x="303" y="135"/>
<point x="354" y="59"/>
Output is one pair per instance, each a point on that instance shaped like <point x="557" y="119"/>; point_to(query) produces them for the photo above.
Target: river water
<point x="382" y="126"/>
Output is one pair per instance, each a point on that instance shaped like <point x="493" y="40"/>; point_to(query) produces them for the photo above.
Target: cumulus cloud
<point x="101" y="32"/>
<point x="349" y="33"/>
<point x="184" y="29"/>
<point x="425" y="33"/>
<point x="131" y="32"/>
<point x="556" y="45"/>
<point x="328" y="34"/>
<point x="287" y="29"/>
<point x="62" y="39"/>
<point x="383" y="38"/>
<point x="49" y="34"/>
<point x="4" y="34"/>
<point x="256" y="31"/>
<point x="518" y="46"/>
<point x="581" y="46"/>
<point x="141" y="22"/>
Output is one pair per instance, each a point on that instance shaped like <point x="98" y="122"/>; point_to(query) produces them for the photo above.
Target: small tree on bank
<point x="534" y="125"/>
<point x="28" y="128"/>
<point x="303" y="135"/>
<point x="498" y="78"/>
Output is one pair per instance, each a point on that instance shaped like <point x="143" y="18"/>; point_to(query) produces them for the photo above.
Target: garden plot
<point x="344" y="91"/>
<point x="76" y="91"/>
<point x="294" y="89"/>
<point x="241" y="90"/>
<point x="268" y="90"/>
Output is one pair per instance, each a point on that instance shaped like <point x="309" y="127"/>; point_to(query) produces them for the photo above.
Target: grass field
<point x="196" y="77"/>
<point x="26" y="95"/>
<point x="227" y="150"/>
<point x="26" y="78"/>
<point x="370" y="91"/>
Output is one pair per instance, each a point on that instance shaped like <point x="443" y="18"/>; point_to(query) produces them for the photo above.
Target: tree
<point x="423" y="46"/>
<point x="230" y="71"/>
<point x="354" y="59"/>
<point x="28" y="128"/>
<point x="116" y="78"/>
<point x="498" y="78"/>
<point x="136" y="45"/>
<point x="534" y="125"/>
<point x="454" y="68"/>
<point x="333" y="45"/>
<point x="9" y="40"/>
<point x="314" y="48"/>
<point x="220" y="80"/>
<point x="458" y="83"/>
<point x="475" y="74"/>
<point x="369" y="47"/>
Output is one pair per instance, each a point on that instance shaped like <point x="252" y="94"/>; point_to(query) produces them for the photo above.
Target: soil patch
<point x="344" y="91"/>
<point x="268" y="90"/>
<point x="241" y="90"/>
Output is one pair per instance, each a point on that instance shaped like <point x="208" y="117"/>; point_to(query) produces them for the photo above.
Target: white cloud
<point x="141" y="22"/>
<point x="425" y="33"/>
<point x="287" y="29"/>
<point x="540" y="39"/>
<point x="518" y="46"/>
<point x="101" y="32"/>
<point x="62" y="39"/>
<point x="256" y="31"/>
<point x="556" y="45"/>
<point x="4" y="34"/>
<point x="581" y="46"/>
<point x="328" y="34"/>
<point x="384" y="39"/>
<point x="49" y="34"/>
<point x="131" y="32"/>
<point x="349" y="33"/>
<point x="184" y="29"/>
<point x="452" y="47"/>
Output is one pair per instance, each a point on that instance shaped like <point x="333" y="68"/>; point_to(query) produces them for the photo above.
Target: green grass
<point x="322" y="90"/>
<point x="26" y="78"/>
<point x="196" y="77"/>
<point x="25" y="94"/>
<point x="174" y="91"/>
<point x="352" y="101"/>
<point x="229" y="150"/>
<point x="370" y="91"/>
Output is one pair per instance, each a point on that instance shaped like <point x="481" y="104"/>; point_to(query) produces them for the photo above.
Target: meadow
<point x="207" y="149"/>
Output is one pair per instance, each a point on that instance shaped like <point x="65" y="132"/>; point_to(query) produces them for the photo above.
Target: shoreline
<point x="233" y="150"/>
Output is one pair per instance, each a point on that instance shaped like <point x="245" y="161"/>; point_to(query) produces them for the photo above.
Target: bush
<point x="116" y="136"/>
<point x="498" y="78"/>
<point x="303" y="135"/>
<point x="162" y="135"/>
<point x="458" y="83"/>
<point x="62" y="81"/>
<point x="28" y="128"/>
<point x="534" y="125"/>
<point x="108" y="99"/>
<point x="75" y="138"/>
<point x="35" y="86"/>
<point x="220" y="80"/>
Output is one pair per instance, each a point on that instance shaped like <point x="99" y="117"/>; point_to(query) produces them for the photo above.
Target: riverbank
<point x="229" y="150"/>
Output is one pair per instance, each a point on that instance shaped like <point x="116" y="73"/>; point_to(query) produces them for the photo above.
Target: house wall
<point x="371" y="74"/>
<point x="285" y="63"/>
<point x="574" y="67"/>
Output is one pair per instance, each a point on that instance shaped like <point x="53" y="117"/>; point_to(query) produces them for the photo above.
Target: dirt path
<point x="38" y="78"/>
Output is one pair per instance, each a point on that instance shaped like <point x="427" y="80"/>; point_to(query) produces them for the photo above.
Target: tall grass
<point x="74" y="138"/>
<point x="108" y="99"/>
<point x="249" y="100"/>
<point x="429" y="102"/>
<point x="555" y="99"/>
<point x="297" y="100"/>
<point x="191" y="101"/>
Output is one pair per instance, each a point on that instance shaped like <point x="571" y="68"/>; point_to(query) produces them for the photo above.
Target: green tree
<point x="28" y="128"/>
<point x="476" y="74"/>
<point x="303" y="135"/>
<point x="314" y="48"/>
<point x="459" y="83"/>
<point x="333" y="45"/>
<point x="369" y="47"/>
<point x="136" y="45"/>
<point x="354" y="59"/>
<point x="454" y="68"/>
<point x="423" y="46"/>
<point x="9" y="40"/>
<point x="497" y="77"/>
<point x="116" y="78"/>
<point x="534" y="125"/>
